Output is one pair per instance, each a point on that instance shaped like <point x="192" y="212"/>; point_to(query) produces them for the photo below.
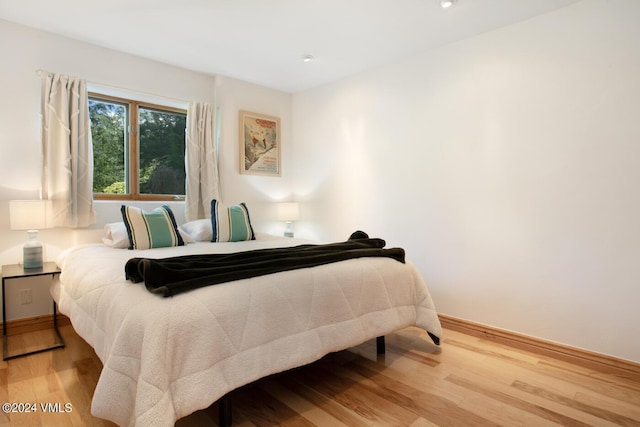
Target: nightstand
<point x="16" y="271"/>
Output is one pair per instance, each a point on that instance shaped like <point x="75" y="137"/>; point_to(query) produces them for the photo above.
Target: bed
<point x="165" y="358"/>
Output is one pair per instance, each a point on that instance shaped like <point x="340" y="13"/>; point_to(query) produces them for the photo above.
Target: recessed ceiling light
<point x="445" y="4"/>
<point x="307" y="58"/>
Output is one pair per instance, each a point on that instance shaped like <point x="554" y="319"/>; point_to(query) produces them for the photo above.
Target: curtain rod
<point x="40" y="72"/>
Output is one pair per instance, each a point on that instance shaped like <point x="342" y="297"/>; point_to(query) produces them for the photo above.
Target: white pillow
<point x="185" y="237"/>
<point x="199" y="230"/>
<point x="115" y="235"/>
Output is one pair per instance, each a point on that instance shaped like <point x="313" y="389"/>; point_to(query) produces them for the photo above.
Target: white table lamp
<point x="288" y="212"/>
<point x="30" y="215"/>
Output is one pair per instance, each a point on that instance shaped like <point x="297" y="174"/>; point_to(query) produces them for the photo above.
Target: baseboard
<point x="37" y="323"/>
<point x="600" y="362"/>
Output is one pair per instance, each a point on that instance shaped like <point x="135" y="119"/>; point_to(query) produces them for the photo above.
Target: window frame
<point x="132" y="149"/>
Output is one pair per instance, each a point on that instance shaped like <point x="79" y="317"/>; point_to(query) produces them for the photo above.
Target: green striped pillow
<point x="230" y="224"/>
<point x="154" y="229"/>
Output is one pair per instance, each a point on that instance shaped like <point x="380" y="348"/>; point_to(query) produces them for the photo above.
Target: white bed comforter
<point x="165" y="358"/>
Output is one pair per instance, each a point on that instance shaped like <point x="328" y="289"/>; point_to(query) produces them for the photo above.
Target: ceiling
<point x="264" y="41"/>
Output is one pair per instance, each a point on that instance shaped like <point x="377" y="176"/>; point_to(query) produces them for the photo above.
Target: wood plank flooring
<point x="467" y="381"/>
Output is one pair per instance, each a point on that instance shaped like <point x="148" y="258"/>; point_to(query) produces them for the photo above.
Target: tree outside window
<point x="138" y="149"/>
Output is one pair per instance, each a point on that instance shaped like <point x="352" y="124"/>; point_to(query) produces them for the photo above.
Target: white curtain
<point x="67" y="178"/>
<point x="200" y="161"/>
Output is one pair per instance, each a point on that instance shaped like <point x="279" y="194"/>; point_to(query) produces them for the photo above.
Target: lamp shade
<point x="29" y="214"/>
<point x="289" y="211"/>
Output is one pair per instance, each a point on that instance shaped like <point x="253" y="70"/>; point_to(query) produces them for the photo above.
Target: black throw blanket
<point x="171" y="276"/>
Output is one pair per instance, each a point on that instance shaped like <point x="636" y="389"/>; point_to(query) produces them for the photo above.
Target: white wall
<point x="260" y="192"/>
<point x="506" y="165"/>
<point x="24" y="50"/>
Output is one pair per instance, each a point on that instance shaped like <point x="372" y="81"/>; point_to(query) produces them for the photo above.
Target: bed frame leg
<point x="224" y="411"/>
<point x="380" y="346"/>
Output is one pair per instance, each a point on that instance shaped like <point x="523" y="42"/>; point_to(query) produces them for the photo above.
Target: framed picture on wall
<point x="259" y="144"/>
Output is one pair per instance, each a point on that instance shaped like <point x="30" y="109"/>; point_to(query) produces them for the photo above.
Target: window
<point x="138" y="149"/>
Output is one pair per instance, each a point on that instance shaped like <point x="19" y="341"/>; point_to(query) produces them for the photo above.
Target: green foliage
<point x="115" y="188"/>
<point x="161" y="149"/>
<point x="108" y="135"/>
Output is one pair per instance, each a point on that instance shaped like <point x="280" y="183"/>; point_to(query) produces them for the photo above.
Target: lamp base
<point x="288" y="232"/>
<point x="32" y="251"/>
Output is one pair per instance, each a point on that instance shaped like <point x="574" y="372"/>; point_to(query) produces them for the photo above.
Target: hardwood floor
<point x="468" y="381"/>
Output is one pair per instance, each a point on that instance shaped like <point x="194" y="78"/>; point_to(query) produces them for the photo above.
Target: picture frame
<point x="260" y="144"/>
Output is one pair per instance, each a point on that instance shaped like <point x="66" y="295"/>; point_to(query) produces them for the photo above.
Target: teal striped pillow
<point x="230" y="224"/>
<point x="154" y="229"/>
